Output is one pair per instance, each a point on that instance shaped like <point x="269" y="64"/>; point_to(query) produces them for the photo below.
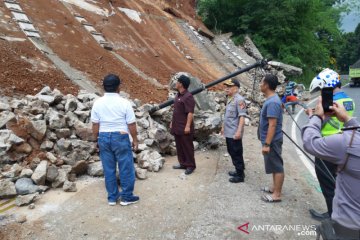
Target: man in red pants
<point x="182" y="125"/>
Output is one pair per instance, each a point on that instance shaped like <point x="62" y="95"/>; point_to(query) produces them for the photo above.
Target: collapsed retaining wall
<point x="46" y="141"/>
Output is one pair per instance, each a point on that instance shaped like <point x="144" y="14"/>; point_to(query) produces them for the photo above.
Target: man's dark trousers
<point x="185" y="150"/>
<point x="235" y="149"/>
<point x="327" y="183"/>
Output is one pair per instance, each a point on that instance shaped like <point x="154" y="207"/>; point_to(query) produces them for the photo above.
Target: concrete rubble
<point x="46" y="140"/>
<point x="251" y="49"/>
<point x="287" y="68"/>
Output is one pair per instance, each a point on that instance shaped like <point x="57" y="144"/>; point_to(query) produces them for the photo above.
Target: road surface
<point x="301" y="119"/>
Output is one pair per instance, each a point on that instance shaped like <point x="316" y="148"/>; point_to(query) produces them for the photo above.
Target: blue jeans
<point x="115" y="148"/>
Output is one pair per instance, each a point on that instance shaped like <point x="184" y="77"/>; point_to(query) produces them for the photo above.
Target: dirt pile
<point x="145" y="46"/>
<point x="23" y="70"/>
<point x="46" y="141"/>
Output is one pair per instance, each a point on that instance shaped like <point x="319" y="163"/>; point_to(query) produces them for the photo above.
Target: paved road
<point x="354" y="93"/>
<point x="301" y="119"/>
<point x="204" y="205"/>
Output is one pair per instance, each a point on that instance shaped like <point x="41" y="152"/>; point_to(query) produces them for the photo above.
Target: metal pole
<point x="200" y="89"/>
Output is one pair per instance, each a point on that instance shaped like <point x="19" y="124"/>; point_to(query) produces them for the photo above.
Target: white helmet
<point x="326" y="78"/>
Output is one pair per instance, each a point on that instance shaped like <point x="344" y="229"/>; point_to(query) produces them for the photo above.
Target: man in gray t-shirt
<point x="271" y="109"/>
<point x="271" y="137"/>
<point x="233" y="128"/>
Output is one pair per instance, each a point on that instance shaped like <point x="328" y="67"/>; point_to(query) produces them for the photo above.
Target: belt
<point x="121" y="133"/>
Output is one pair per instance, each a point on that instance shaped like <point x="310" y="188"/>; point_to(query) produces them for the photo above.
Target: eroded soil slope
<point x="147" y="46"/>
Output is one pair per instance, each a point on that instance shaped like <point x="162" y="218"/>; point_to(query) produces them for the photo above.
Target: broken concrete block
<point x="39" y="175"/>
<point x="69" y="186"/>
<point x="5" y="117"/>
<point x="38" y="129"/>
<point x="7" y="189"/>
<point x="23" y="200"/>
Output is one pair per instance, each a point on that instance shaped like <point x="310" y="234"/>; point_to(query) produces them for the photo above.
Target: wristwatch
<point x="266" y="145"/>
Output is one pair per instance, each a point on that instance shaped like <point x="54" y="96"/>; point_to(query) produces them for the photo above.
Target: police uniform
<point x="235" y="109"/>
<point x="343" y="151"/>
<point x="330" y="127"/>
<point x="333" y="125"/>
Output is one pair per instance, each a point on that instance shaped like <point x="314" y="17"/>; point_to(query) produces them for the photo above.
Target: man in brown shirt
<point x="182" y="125"/>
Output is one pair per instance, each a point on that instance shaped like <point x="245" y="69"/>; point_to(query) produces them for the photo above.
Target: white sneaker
<point x="112" y="203"/>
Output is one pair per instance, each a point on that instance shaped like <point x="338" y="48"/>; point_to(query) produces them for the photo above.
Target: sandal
<point x="269" y="199"/>
<point x="266" y="189"/>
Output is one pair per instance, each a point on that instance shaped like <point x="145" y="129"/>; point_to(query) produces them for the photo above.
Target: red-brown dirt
<point x="146" y="45"/>
<point x="23" y="70"/>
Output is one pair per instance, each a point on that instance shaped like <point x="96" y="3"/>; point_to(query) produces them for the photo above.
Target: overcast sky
<point x="350" y="21"/>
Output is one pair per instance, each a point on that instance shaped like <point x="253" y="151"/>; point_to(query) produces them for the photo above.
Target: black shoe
<point x="233" y="174"/>
<point x="178" y="167"/>
<point x="189" y="171"/>
<point x="236" y="174"/>
<point x="129" y="200"/>
<point x="236" y="179"/>
<point x="318" y="216"/>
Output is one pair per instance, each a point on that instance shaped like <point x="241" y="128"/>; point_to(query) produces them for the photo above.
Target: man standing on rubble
<point x="233" y="128"/>
<point x="288" y="89"/>
<point x="113" y="119"/>
<point x="182" y="125"/>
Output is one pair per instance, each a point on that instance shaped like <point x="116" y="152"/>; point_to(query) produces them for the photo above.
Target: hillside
<point x="148" y="45"/>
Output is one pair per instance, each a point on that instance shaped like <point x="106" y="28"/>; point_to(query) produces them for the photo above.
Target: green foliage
<point x="350" y="50"/>
<point x="303" y="33"/>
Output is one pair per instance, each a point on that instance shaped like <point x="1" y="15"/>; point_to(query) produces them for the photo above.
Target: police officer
<point x="343" y="151"/>
<point x="331" y="125"/>
<point x="233" y="128"/>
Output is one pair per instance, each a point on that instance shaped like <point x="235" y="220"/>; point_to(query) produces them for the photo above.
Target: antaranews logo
<point x="300" y="230"/>
<point x="244" y="228"/>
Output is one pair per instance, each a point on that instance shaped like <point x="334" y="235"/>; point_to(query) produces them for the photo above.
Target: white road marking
<point x="303" y="158"/>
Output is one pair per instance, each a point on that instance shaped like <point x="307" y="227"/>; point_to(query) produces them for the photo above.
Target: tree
<point x="350" y="50"/>
<point x="300" y="32"/>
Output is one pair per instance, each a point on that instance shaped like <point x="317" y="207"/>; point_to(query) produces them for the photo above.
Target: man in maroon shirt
<point x="182" y="125"/>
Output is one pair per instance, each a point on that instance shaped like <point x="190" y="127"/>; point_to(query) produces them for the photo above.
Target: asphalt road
<point x="301" y="119"/>
<point x="354" y="93"/>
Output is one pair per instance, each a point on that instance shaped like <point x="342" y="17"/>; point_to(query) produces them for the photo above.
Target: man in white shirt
<point x="113" y="119"/>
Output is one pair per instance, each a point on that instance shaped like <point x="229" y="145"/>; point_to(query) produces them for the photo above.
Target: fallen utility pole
<point x="261" y="63"/>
